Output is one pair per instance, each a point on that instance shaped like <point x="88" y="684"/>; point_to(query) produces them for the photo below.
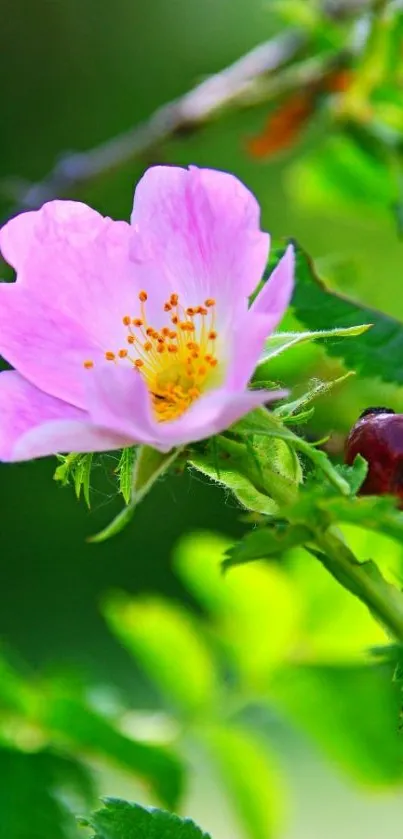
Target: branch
<point x="204" y="102"/>
<point x="245" y="83"/>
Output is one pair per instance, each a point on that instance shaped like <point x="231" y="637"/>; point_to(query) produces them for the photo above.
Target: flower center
<point x="177" y="362"/>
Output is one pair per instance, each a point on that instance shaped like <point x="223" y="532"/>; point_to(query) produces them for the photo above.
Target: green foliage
<point x="351" y="712"/>
<point x="31" y="713"/>
<point x="33" y="793"/>
<point x="252" y="783"/>
<point x="377" y="352"/>
<point x="168" y="643"/>
<point x="76" y="725"/>
<point x="122" y="820"/>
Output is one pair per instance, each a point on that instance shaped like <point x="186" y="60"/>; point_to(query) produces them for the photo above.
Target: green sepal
<point x="250" y="469"/>
<point x="264" y="423"/>
<point x="240" y="486"/>
<point x="77" y="468"/>
<point x="149" y="466"/>
<point x="124" y="471"/>
<point x="318" y="388"/>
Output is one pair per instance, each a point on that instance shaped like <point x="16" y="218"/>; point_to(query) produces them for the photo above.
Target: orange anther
<point x="165" y="331"/>
<point x="137" y="322"/>
<point x="167" y="307"/>
<point x="143" y="296"/>
<point x="209" y="302"/>
<point x="88" y="364"/>
<point x="173" y="335"/>
<point x="150" y="331"/>
<point x="160" y="339"/>
<point x="161" y="348"/>
<point x="213" y="362"/>
<point x="126" y="320"/>
<point x="139" y="363"/>
<point x="175" y="319"/>
<point x="172" y="348"/>
<point x="195" y="354"/>
<point x="191" y="345"/>
<point x="212" y="335"/>
<point x="148" y="346"/>
<point x="193" y="392"/>
<point x="208" y="357"/>
<point x="190" y="311"/>
<point x="110" y="356"/>
<point x="202" y="371"/>
<point x="130" y="339"/>
<point x="122" y="353"/>
<point x="202" y="310"/>
<point x="174" y="299"/>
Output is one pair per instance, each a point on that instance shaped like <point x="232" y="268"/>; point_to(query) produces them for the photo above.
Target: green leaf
<point x="371" y="512"/>
<point x="169" y="645"/>
<point x="73" y="723"/>
<point x="149" y="466"/>
<point x="124" y="471"/>
<point x="251" y="780"/>
<point x="355" y="475"/>
<point x="280" y="342"/>
<point x="352" y="714"/>
<point x="364" y="580"/>
<point x="377" y="352"/>
<point x="255" y="608"/>
<point x="123" y="820"/>
<point x="33" y="793"/>
<point x="341" y="175"/>
<point x="267" y="542"/>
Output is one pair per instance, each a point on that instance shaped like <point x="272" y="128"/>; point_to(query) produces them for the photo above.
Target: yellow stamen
<point x="176" y="366"/>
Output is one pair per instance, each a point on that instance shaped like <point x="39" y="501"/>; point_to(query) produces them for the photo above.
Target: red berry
<point x="378" y="436"/>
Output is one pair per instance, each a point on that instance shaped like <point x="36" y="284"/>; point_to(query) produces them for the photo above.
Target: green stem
<point x="364" y="580"/>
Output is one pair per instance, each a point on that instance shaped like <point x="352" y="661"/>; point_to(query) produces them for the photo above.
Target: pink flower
<point x="135" y="333"/>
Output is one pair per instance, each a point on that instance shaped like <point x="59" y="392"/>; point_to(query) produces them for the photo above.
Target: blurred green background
<point x="74" y="73"/>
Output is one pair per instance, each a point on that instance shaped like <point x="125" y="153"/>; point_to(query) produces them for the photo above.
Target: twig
<point x="190" y="111"/>
<point x="245" y="83"/>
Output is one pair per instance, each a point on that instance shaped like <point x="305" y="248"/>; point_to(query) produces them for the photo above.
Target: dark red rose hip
<point x="378" y="436"/>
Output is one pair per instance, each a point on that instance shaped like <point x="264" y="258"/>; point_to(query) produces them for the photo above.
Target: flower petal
<point x="46" y="346"/>
<point x="203" y="227"/>
<point x="33" y="424"/>
<point x="119" y="400"/>
<point x="262" y="318"/>
<point x="212" y="414"/>
<point x="76" y="283"/>
<point x="277" y="292"/>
